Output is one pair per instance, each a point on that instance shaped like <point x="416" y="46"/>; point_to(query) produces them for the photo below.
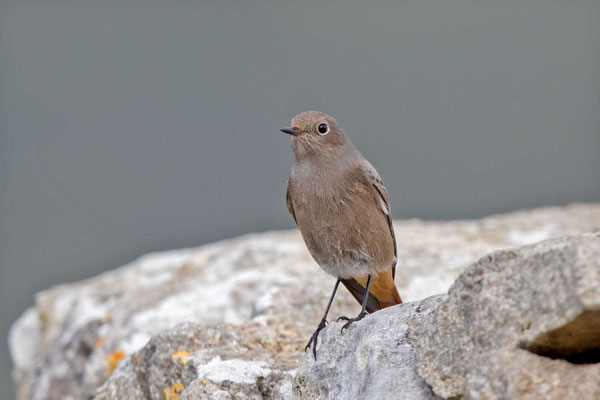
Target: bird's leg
<point x="322" y="324"/>
<point x="363" y="311"/>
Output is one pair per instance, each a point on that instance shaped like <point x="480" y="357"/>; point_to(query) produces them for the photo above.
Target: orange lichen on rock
<point x="99" y="342"/>
<point x="113" y="359"/>
<point x="173" y="392"/>
<point x="182" y="355"/>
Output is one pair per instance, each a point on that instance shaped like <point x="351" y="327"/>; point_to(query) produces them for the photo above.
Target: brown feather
<point x="358" y="292"/>
<point x="383" y="288"/>
<point x="341" y="207"/>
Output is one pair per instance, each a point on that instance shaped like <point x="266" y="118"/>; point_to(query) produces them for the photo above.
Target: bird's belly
<point x="344" y="241"/>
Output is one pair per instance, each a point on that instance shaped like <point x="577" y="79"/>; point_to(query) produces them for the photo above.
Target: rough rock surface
<point x="519" y="324"/>
<point x="261" y="291"/>
<point x="207" y="362"/>
<point x="374" y="359"/>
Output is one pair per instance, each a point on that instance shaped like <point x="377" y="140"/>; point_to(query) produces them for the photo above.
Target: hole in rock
<point x="577" y="342"/>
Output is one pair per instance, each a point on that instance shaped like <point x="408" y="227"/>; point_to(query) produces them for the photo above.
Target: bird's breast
<point x="342" y="225"/>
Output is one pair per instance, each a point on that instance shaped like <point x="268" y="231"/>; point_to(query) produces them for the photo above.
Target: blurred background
<point x="131" y="127"/>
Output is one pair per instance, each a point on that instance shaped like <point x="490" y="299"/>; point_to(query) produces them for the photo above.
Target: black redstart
<point x="342" y="209"/>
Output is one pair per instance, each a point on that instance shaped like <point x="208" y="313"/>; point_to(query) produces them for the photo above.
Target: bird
<point x="342" y="209"/>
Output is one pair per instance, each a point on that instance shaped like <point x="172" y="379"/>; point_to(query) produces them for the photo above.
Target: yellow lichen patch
<point x="113" y="359"/>
<point x="173" y="392"/>
<point x="182" y="355"/>
<point x="99" y="342"/>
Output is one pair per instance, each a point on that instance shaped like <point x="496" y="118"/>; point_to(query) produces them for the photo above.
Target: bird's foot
<point x="351" y="320"/>
<point x="315" y="336"/>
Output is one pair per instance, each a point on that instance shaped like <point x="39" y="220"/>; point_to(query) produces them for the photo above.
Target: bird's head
<point x="315" y="133"/>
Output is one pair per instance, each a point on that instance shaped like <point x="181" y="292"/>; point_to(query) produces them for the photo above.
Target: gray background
<point x="129" y="128"/>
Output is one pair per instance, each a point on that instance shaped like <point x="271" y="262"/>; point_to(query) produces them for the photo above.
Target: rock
<point x="374" y="359"/>
<point x="517" y="374"/>
<point x="519" y="323"/>
<point x="201" y="362"/>
<point x="263" y="289"/>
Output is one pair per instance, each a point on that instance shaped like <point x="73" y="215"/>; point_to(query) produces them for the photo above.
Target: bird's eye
<point x="323" y="129"/>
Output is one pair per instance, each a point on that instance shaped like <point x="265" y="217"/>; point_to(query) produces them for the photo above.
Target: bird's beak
<point x="291" y="131"/>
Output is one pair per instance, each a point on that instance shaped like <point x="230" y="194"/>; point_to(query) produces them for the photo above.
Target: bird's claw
<point x="351" y="320"/>
<point x="314" y="338"/>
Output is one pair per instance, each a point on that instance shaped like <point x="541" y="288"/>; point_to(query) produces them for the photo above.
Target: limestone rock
<point x="520" y="323"/>
<point x="518" y="374"/>
<point x="195" y="361"/>
<point x="373" y="359"/>
<point x="69" y="343"/>
<point x="517" y="324"/>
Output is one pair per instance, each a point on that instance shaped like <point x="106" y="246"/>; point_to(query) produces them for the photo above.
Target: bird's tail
<point x="396" y="295"/>
<point x="358" y="292"/>
<point x="383" y="291"/>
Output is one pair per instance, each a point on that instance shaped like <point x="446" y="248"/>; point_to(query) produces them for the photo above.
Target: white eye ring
<point x="323" y="129"/>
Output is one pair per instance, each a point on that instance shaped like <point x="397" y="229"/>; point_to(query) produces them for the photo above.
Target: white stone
<point x="237" y="371"/>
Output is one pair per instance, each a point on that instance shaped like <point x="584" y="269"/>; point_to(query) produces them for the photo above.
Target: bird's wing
<point x="384" y="203"/>
<point x="288" y="201"/>
<point x="383" y="289"/>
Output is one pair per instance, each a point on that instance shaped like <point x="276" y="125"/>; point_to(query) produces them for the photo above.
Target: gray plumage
<point x="342" y="209"/>
<point x="338" y="201"/>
